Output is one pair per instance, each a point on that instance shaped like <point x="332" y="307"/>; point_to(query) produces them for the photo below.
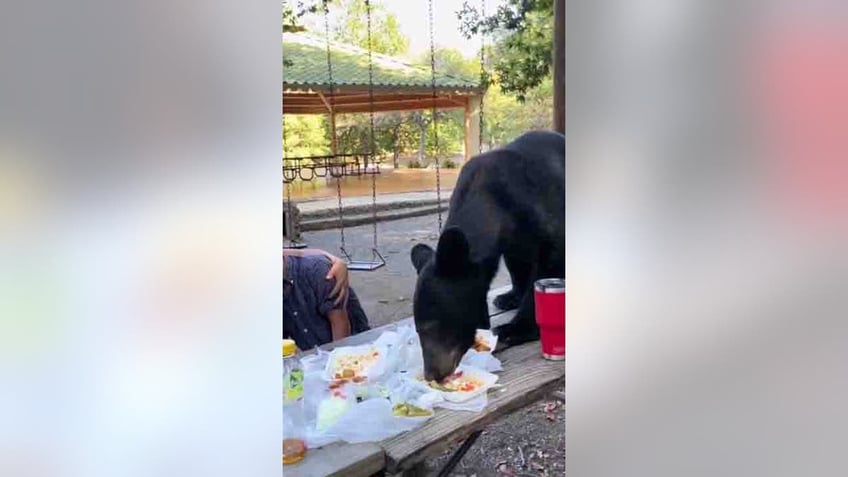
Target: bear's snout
<point x="439" y="365"/>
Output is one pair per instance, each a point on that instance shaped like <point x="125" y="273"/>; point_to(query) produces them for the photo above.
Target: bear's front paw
<point x="511" y="335"/>
<point x="508" y="301"/>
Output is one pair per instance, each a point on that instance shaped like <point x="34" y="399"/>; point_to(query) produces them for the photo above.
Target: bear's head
<point x="450" y="301"/>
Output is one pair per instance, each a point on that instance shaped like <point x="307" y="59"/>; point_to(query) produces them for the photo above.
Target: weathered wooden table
<point x="526" y="377"/>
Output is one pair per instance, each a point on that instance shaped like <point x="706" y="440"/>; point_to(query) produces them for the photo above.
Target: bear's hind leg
<point x="523" y="326"/>
<point x="520" y="272"/>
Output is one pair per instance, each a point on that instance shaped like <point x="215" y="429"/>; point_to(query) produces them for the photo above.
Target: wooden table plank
<point x="526" y="378"/>
<point x="340" y="459"/>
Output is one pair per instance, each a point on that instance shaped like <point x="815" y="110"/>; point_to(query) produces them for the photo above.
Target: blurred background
<point x="139" y="239"/>
<point x="706" y="228"/>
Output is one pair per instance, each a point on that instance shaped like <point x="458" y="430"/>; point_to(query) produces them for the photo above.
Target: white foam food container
<point x="485" y="378"/>
<point x="373" y="368"/>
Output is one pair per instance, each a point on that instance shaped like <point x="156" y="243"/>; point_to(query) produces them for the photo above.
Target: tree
<point x="305" y="136"/>
<point x="293" y="13"/>
<point x="450" y="61"/>
<point x="523" y="32"/>
<point x="386" y="37"/>
<point x="506" y="118"/>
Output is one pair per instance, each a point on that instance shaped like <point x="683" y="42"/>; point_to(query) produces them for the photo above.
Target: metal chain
<point x="333" y="136"/>
<point x="287" y="187"/>
<point x="435" y="125"/>
<point x="371" y="112"/>
<point x="482" y="71"/>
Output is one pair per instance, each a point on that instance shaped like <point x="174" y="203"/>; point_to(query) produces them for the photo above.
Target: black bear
<point x="510" y="203"/>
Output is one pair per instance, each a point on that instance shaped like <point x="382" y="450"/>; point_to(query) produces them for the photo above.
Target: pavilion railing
<point x="340" y="165"/>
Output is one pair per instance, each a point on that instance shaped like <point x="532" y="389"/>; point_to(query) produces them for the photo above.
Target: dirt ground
<point x="530" y="441"/>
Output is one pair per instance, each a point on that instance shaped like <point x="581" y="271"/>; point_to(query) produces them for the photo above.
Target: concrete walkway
<point x="311" y="206"/>
<point x="323" y="214"/>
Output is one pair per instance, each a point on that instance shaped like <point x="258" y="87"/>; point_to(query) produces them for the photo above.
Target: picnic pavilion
<point x="397" y="85"/>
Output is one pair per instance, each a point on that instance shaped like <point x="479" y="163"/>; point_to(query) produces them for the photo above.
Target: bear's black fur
<point x="507" y="202"/>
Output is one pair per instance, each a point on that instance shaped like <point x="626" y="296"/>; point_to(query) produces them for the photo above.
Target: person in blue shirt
<point x="319" y="306"/>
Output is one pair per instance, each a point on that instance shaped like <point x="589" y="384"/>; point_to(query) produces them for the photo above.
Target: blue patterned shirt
<point x="307" y="302"/>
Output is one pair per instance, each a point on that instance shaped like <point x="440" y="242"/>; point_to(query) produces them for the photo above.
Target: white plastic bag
<point x="370" y="421"/>
<point x="363" y="412"/>
<point x="411" y="356"/>
<point x="481" y="360"/>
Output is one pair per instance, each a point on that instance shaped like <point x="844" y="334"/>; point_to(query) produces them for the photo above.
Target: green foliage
<point x="305" y="136"/>
<point x="293" y="12"/>
<point x="451" y="131"/>
<point x="451" y="61"/>
<point x="386" y="37"/>
<point x="523" y="32"/>
<point x="506" y="118"/>
<point x="448" y="164"/>
<point x="414" y="164"/>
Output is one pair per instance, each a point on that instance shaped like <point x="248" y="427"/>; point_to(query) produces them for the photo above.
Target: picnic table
<point x="526" y="378"/>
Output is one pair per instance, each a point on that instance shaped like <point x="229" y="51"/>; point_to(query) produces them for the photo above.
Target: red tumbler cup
<point x="550" y="316"/>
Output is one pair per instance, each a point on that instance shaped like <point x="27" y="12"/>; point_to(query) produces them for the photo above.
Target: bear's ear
<point x="453" y="253"/>
<point x="420" y="255"/>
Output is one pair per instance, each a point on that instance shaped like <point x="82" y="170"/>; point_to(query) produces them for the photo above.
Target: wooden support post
<point x="559" y="66"/>
<point x="472" y="126"/>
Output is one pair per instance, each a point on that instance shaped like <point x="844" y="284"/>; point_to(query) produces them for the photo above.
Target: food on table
<point x="457" y="382"/>
<point x="480" y="344"/>
<point x="353" y="366"/>
<point x="293" y="450"/>
<point x="408" y="410"/>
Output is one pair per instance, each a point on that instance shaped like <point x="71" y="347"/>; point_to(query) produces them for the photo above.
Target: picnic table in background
<point x="526" y="378"/>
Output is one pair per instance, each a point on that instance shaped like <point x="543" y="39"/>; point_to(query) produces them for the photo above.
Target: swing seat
<point x="295" y="245"/>
<point x="365" y="265"/>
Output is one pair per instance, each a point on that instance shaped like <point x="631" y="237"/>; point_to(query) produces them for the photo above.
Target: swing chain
<point x="290" y="232"/>
<point x="483" y="79"/>
<point x="433" y="116"/>
<point x="373" y="143"/>
<point x="287" y="187"/>
<point x="332" y="133"/>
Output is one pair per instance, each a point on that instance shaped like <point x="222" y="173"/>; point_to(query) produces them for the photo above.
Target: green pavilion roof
<point x="305" y="68"/>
